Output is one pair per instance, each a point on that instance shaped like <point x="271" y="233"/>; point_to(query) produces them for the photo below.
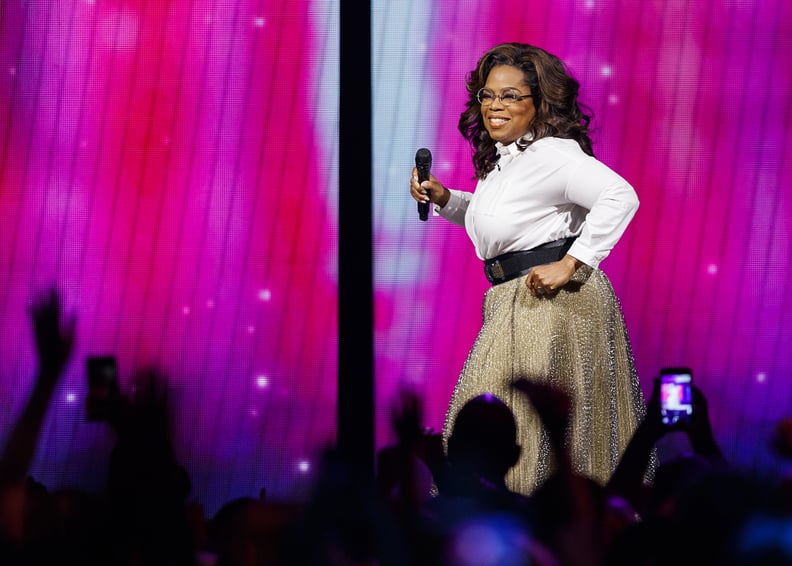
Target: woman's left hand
<point x="546" y="280"/>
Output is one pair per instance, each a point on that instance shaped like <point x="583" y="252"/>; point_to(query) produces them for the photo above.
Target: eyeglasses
<point x="507" y="96"/>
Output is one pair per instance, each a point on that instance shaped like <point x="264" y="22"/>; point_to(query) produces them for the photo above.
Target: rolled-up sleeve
<point x="612" y="202"/>
<point x="455" y="208"/>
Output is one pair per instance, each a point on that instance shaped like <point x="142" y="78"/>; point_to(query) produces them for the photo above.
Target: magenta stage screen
<point x="171" y="167"/>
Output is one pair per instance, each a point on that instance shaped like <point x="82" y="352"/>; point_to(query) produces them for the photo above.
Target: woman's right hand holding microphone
<point x="430" y="191"/>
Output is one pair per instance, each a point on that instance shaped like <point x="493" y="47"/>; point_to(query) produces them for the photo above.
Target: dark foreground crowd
<point x="423" y="505"/>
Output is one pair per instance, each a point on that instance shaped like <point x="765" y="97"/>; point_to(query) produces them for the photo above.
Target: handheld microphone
<point x="423" y="162"/>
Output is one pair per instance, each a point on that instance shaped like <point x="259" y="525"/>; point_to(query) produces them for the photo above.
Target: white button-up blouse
<point x="551" y="190"/>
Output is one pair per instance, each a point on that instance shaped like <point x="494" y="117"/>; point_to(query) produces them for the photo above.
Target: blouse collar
<point x="512" y="149"/>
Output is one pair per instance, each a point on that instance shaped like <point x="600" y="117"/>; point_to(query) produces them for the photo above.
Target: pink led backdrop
<point x="163" y="164"/>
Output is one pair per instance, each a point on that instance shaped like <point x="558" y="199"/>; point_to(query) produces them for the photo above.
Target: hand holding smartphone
<point x="676" y="396"/>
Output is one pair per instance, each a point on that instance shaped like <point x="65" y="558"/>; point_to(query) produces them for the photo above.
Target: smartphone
<point x="103" y="389"/>
<point x="676" y="395"/>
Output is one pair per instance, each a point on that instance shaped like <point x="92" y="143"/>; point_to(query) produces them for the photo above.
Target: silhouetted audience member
<point x="247" y="531"/>
<point x="346" y="521"/>
<point x="628" y="480"/>
<point x="475" y="514"/>
<point x="781" y="445"/>
<point x="229" y="539"/>
<point x="54" y="339"/>
<point x="146" y="486"/>
<point x="572" y="515"/>
<point x="406" y="472"/>
<point x="425" y="505"/>
<point x="69" y="527"/>
<point x="482" y="448"/>
<point x="692" y="511"/>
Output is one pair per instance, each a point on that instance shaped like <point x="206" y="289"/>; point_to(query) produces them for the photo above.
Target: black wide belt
<point x="514" y="264"/>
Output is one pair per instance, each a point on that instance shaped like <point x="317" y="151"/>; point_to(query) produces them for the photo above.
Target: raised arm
<point x="54" y="343"/>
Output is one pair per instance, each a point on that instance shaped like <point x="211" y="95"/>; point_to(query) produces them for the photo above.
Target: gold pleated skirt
<point x="576" y="340"/>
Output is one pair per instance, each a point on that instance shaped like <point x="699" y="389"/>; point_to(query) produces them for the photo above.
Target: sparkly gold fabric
<point x="576" y="340"/>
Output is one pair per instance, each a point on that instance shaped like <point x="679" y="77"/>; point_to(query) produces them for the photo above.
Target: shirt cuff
<point x="454" y="208"/>
<point x="585" y="254"/>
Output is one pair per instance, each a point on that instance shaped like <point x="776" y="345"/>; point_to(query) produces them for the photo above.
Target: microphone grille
<point x="423" y="157"/>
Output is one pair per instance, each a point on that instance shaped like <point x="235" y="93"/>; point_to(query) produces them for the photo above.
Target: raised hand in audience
<point x="54" y="339"/>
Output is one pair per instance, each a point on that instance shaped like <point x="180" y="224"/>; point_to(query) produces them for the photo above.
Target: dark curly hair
<point x="555" y="97"/>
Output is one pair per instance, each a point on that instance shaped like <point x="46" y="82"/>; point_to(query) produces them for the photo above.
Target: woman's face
<point x="507" y="123"/>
